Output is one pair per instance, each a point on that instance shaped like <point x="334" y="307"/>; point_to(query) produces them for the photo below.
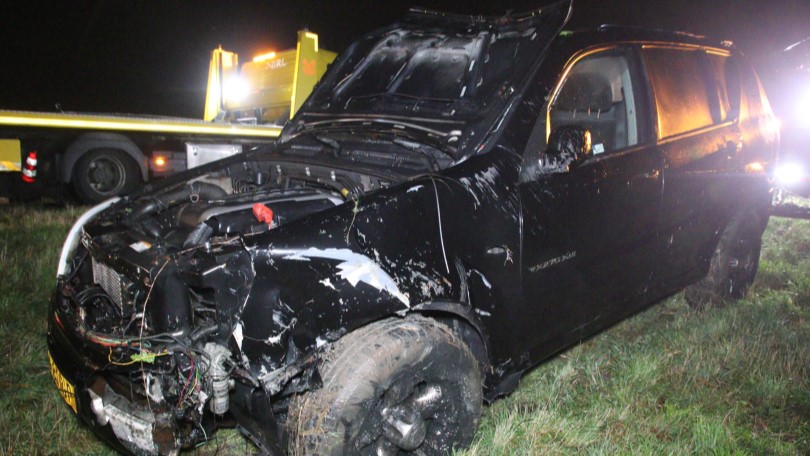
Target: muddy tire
<point x="398" y="386"/>
<point x="733" y="265"/>
<point x="103" y="173"/>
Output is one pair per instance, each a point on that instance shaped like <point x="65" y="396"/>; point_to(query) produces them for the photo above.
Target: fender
<point x="101" y="140"/>
<point x="462" y="313"/>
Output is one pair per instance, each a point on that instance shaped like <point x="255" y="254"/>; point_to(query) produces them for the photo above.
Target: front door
<point x="589" y="232"/>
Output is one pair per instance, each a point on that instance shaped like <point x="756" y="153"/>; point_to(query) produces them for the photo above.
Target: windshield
<point x="440" y="70"/>
<point x="431" y="69"/>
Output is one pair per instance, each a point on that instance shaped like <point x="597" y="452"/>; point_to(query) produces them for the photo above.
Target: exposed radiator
<point x="109" y="280"/>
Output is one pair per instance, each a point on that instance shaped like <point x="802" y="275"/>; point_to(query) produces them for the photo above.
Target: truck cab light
<point x="263" y="57"/>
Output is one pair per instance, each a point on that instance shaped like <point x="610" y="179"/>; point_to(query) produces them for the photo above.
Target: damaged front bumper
<point x="101" y="401"/>
<point x="175" y="398"/>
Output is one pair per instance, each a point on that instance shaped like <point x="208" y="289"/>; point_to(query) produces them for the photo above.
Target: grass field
<point x="733" y="380"/>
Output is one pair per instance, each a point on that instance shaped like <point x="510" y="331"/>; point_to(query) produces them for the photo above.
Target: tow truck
<point x="105" y="155"/>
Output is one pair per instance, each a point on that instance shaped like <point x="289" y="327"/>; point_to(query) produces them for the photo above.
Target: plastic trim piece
<point x="72" y="240"/>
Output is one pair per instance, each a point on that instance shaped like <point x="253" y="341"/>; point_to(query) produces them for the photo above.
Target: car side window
<point x="600" y="94"/>
<point x="694" y="88"/>
<point x="723" y="77"/>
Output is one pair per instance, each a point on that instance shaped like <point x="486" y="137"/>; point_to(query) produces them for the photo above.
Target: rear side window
<point x="693" y="88"/>
<point x="723" y="77"/>
<point x="680" y="94"/>
<point x="754" y="102"/>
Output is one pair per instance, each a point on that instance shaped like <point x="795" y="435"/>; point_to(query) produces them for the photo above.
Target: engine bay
<point x="220" y="203"/>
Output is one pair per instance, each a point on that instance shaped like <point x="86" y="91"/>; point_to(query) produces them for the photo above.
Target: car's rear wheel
<point x="398" y="386"/>
<point x="733" y="265"/>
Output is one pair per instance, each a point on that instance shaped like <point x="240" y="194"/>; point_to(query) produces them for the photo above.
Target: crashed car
<point x="459" y="199"/>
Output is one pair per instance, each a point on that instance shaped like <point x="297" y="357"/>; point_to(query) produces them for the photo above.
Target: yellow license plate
<point x="67" y="390"/>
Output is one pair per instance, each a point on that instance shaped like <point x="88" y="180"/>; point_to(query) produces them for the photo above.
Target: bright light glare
<point x="754" y="167"/>
<point x="263" y="57"/>
<point x="236" y="88"/>
<point x="802" y="114"/>
<point x="789" y="173"/>
<point x="772" y="125"/>
<point x="160" y="161"/>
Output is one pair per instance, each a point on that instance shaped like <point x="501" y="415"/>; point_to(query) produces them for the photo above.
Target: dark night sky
<point x="152" y="56"/>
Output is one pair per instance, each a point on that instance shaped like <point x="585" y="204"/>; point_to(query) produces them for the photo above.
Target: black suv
<point x="459" y="199"/>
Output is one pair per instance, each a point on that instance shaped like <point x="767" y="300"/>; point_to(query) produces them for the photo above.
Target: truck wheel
<point x="103" y="173"/>
<point x="734" y="263"/>
<point x="398" y="386"/>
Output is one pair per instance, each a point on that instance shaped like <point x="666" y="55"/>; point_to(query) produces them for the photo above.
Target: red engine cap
<point x="263" y="214"/>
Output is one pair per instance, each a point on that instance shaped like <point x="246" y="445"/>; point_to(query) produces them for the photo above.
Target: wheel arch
<point x="720" y="285"/>
<point x="465" y="325"/>
<point x="101" y="140"/>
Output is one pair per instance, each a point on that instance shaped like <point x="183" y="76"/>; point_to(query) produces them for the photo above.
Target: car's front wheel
<point x="398" y="386"/>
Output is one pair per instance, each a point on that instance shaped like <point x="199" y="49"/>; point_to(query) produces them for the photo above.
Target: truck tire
<point x="733" y="265"/>
<point x="103" y="173"/>
<point x="398" y="386"/>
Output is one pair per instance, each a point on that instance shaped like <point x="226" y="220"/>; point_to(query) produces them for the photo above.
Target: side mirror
<point x="568" y="146"/>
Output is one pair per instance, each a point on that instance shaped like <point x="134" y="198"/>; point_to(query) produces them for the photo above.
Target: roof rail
<point x="605" y="27"/>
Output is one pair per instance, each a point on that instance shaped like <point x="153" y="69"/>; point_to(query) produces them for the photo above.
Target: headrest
<point x="585" y="91"/>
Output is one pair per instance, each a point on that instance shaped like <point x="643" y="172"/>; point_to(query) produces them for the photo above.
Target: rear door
<point x="697" y="100"/>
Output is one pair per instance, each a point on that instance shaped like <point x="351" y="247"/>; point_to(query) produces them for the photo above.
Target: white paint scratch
<point x="439" y="216"/>
<point x="354" y="268"/>
<point x="483" y="279"/>
<point x="415" y="188"/>
<point x="275" y="340"/>
<point x="278" y="319"/>
<point x="466" y="182"/>
<point x="482" y="182"/>
<point x="237" y="335"/>
<point x="429" y="287"/>
<point x="327" y="283"/>
<point x="483" y="313"/>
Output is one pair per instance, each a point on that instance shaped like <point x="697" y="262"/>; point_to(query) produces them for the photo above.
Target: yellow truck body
<point x="113" y="122"/>
<point x="107" y="155"/>
<point x="270" y="88"/>
<point x="10" y="155"/>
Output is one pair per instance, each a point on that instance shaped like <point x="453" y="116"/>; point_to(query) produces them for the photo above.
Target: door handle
<point x="732" y="148"/>
<point x="501" y="250"/>
<point x="649" y="175"/>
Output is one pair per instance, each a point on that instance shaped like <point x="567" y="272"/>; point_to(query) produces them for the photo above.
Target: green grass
<point x="732" y="380"/>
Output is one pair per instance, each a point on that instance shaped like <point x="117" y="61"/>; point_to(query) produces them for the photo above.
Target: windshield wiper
<point x="417" y="147"/>
<point x="334" y="145"/>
